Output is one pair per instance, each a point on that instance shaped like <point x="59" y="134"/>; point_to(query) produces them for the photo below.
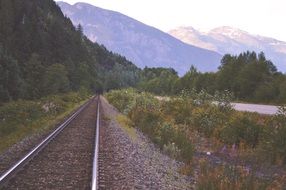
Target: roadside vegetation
<point x="143" y="109"/>
<point x="19" y="119"/>
<point x="191" y="123"/>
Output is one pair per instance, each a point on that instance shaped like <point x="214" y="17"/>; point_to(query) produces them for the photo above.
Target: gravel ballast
<point x="66" y="162"/>
<point x="134" y="164"/>
<point x="17" y="151"/>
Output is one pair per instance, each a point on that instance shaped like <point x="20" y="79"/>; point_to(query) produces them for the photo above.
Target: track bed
<point x="66" y="162"/>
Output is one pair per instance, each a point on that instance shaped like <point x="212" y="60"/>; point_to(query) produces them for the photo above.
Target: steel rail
<point x="94" y="184"/>
<point x="13" y="170"/>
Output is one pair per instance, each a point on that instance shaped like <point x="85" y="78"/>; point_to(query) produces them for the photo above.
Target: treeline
<point x="250" y="77"/>
<point x="42" y="53"/>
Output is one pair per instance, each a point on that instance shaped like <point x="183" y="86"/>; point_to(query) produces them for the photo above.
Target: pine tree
<point x="56" y="79"/>
<point x="34" y="76"/>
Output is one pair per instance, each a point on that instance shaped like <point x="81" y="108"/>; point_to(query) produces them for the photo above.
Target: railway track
<point x="66" y="159"/>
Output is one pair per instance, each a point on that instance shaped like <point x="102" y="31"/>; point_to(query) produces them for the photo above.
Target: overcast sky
<point x="263" y="17"/>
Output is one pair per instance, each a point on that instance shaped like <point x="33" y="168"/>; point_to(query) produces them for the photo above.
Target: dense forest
<point x="248" y="76"/>
<point x="42" y="53"/>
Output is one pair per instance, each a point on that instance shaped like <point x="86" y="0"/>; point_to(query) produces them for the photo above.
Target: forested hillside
<point x="42" y="53"/>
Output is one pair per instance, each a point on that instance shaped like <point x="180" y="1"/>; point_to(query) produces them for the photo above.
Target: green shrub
<point x="147" y="121"/>
<point x="172" y="150"/>
<point x="141" y="108"/>
<point x="121" y="99"/>
<point x="229" y="177"/>
<point x="185" y="146"/>
<point x="274" y="138"/>
<point x="167" y="134"/>
<point x="207" y="119"/>
<point x="16" y="114"/>
<point x="241" y="129"/>
<point x="223" y="100"/>
<point x="180" y="109"/>
<point x="173" y="138"/>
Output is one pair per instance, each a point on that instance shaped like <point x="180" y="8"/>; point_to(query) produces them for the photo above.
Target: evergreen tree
<point x="10" y="81"/>
<point x="80" y="30"/>
<point x="34" y="75"/>
<point x="56" y="80"/>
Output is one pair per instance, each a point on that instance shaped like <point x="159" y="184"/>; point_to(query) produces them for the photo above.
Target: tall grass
<point x="19" y="119"/>
<point x="230" y="178"/>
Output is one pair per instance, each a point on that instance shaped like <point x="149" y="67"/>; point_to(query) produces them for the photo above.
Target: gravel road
<point x="259" y="108"/>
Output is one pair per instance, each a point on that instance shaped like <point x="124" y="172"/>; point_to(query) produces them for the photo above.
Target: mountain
<point x="234" y="41"/>
<point x="140" y="43"/>
<point x="42" y="53"/>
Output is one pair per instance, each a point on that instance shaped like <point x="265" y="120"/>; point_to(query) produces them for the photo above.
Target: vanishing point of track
<point x="66" y="159"/>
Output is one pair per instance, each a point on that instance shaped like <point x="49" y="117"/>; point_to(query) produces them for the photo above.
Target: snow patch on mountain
<point x="234" y="41"/>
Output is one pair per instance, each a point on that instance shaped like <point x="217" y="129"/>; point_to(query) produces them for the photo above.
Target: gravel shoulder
<point x="134" y="164"/>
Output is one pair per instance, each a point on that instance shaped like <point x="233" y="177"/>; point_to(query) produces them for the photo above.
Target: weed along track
<point x="66" y="162"/>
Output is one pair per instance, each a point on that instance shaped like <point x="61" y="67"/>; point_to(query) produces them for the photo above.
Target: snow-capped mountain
<point x="142" y="44"/>
<point x="232" y="40"/>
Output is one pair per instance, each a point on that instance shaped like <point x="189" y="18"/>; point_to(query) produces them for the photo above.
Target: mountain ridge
<point x="232" y="40"/>
<point x="142" y="44"/>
